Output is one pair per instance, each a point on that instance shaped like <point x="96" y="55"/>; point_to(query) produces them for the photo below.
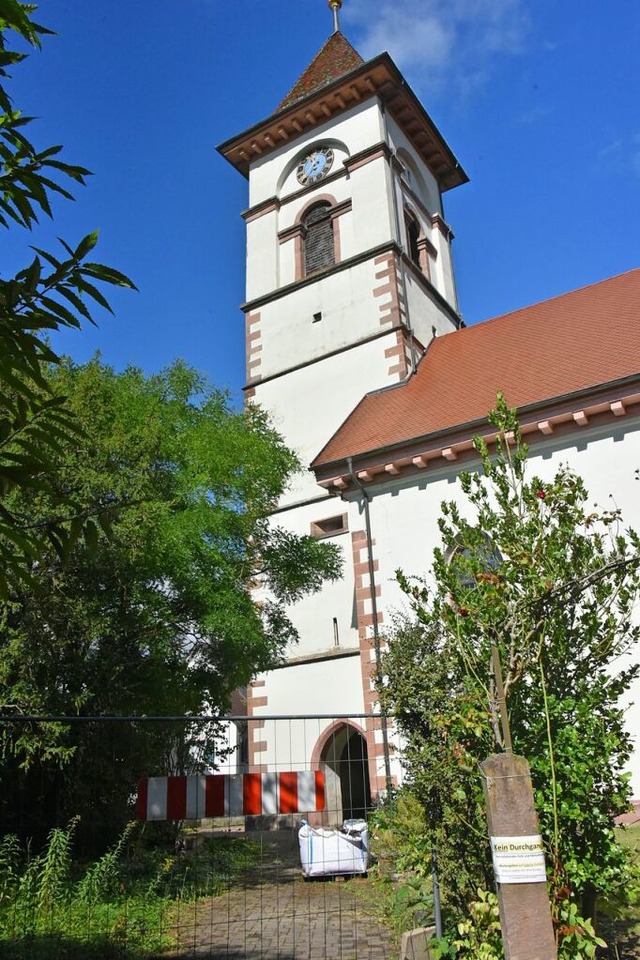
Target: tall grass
<point x="121" y="905"/>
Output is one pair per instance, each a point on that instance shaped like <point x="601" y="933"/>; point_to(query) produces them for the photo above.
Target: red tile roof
<point x="336" y="58"/>
<point x="576" y="341"/>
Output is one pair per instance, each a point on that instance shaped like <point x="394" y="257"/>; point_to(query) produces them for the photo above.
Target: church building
<point x="356" y="348"/>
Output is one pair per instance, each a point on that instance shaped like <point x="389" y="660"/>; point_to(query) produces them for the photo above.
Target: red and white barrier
<point x="191" y="798"/>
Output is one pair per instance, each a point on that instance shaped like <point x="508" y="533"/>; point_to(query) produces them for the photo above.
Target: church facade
<point x="356" y="348"/>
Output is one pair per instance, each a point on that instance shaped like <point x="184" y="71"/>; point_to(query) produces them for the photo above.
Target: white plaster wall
<point x="412" y="184"/>
<point x="263" y="255"/>
<point x="425" y="312"/>
<point x="440" y="265"/>
<point x="407" y="201"/>
<point x="404" y="516"/>
<point x="423" y="182"/>
<point x="309" y="404"/>
<point x="286" y="272"/>
<point x="224" y="750"/>
<point x="349" y="313"/>
<point x="399" y="226"/>
<point x="444" y="279"/>
<point x="313" y="616"/>
<point x="289" y="187"/>
<point x="339" y="188"/>
<point x="359" y="128"/>
<point x="371" y="189"/>
<point x="370" y="223"/>
<point x="325" y="687"/>
<point x="425" y="186"/>
<point x="270" y="263"/>
<point x="329" y="687"/>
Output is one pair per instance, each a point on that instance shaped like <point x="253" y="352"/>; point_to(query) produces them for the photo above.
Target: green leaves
<point x="26" y="189"/>
<point x="14" y="15"/>
<point x="144" y="604"/>
<point x="50" y="293"/>
<point x="531" y="568"/>
<point x="295" y="565"/>
<point x="35" y="422"/>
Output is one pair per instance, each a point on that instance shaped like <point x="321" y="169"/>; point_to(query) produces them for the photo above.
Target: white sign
<point x="518" y="859"/>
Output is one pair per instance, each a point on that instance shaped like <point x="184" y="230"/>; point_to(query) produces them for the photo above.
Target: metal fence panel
<point x="162" y="837"/>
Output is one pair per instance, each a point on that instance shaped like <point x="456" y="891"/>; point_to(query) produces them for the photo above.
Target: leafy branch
<point x="527" y="567"/>
<point x="52" y="293"/>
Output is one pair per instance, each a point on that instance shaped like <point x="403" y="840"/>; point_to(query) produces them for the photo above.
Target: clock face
<point x="315" y="166"/>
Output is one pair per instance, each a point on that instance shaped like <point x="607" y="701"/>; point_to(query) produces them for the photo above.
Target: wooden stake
<point x="525" y="911"/>
<point x="502" y="702"/>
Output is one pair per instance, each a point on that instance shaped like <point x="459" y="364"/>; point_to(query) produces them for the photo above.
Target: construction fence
<point x="192" y="837"/>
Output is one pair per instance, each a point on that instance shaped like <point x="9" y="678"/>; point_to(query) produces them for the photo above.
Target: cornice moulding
<point x="597" y="408"/>
<point x="379" y="78"/>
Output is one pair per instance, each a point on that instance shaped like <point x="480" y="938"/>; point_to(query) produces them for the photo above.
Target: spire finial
<point x="335" y="6"/>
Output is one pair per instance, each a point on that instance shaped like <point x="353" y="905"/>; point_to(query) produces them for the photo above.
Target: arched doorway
<point x="345" y="753"/>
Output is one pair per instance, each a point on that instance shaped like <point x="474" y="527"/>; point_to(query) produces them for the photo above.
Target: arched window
<point x="317" y="237"/>
<point x="419" y="248"/>
<point x="413" y="236"/>
<point x="481" y="559"/>
<point x="412" y="175"/>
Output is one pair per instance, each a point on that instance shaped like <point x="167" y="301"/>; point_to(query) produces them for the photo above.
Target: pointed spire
<point x="335" y="6"/>
<point x="336" y="58"/>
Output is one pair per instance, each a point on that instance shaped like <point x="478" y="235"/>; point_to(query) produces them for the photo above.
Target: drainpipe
<point x="374" y="614"/>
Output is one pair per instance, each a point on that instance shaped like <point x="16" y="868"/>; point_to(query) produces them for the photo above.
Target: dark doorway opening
<point x="346" y="754"/>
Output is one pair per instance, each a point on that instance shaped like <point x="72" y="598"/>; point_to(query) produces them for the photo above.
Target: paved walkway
<point x="276" y="915"/>
<point x="631" y="817"/>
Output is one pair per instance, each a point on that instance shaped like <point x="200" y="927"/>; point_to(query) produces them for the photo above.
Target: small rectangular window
<point x="330" y="526"/>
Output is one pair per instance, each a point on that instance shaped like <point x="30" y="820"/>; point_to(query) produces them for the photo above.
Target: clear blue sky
<point x="537" y="98"/>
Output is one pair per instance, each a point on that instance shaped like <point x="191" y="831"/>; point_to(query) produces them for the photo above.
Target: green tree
<point x="530" y="569"/>
<point x="158" y="617"/>
<point x="49" y="293"/>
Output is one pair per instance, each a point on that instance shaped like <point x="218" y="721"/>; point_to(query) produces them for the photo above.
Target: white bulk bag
<point x="325" y="852"/>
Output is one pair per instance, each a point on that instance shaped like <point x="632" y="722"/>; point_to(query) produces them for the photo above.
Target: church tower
<point x="349" y="272"/>
<point x="349" y="278"/>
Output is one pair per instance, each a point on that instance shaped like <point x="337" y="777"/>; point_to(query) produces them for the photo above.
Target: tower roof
<point x="334" y="86"/>
<point x="333" y="60"/>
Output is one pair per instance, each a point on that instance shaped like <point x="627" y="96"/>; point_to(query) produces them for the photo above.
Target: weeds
<point x="402" y="887"/>
<point x="121" y="906"/>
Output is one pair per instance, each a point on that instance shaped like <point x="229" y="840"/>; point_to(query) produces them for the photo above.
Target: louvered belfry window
<point x="319" y="249"/>
<point x="413" y="235"/>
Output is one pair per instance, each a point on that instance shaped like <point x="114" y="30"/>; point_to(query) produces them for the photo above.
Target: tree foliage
<point x="51" y="292"/>
<point x="157" y="618"/>
<point x="531" y="569"/>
